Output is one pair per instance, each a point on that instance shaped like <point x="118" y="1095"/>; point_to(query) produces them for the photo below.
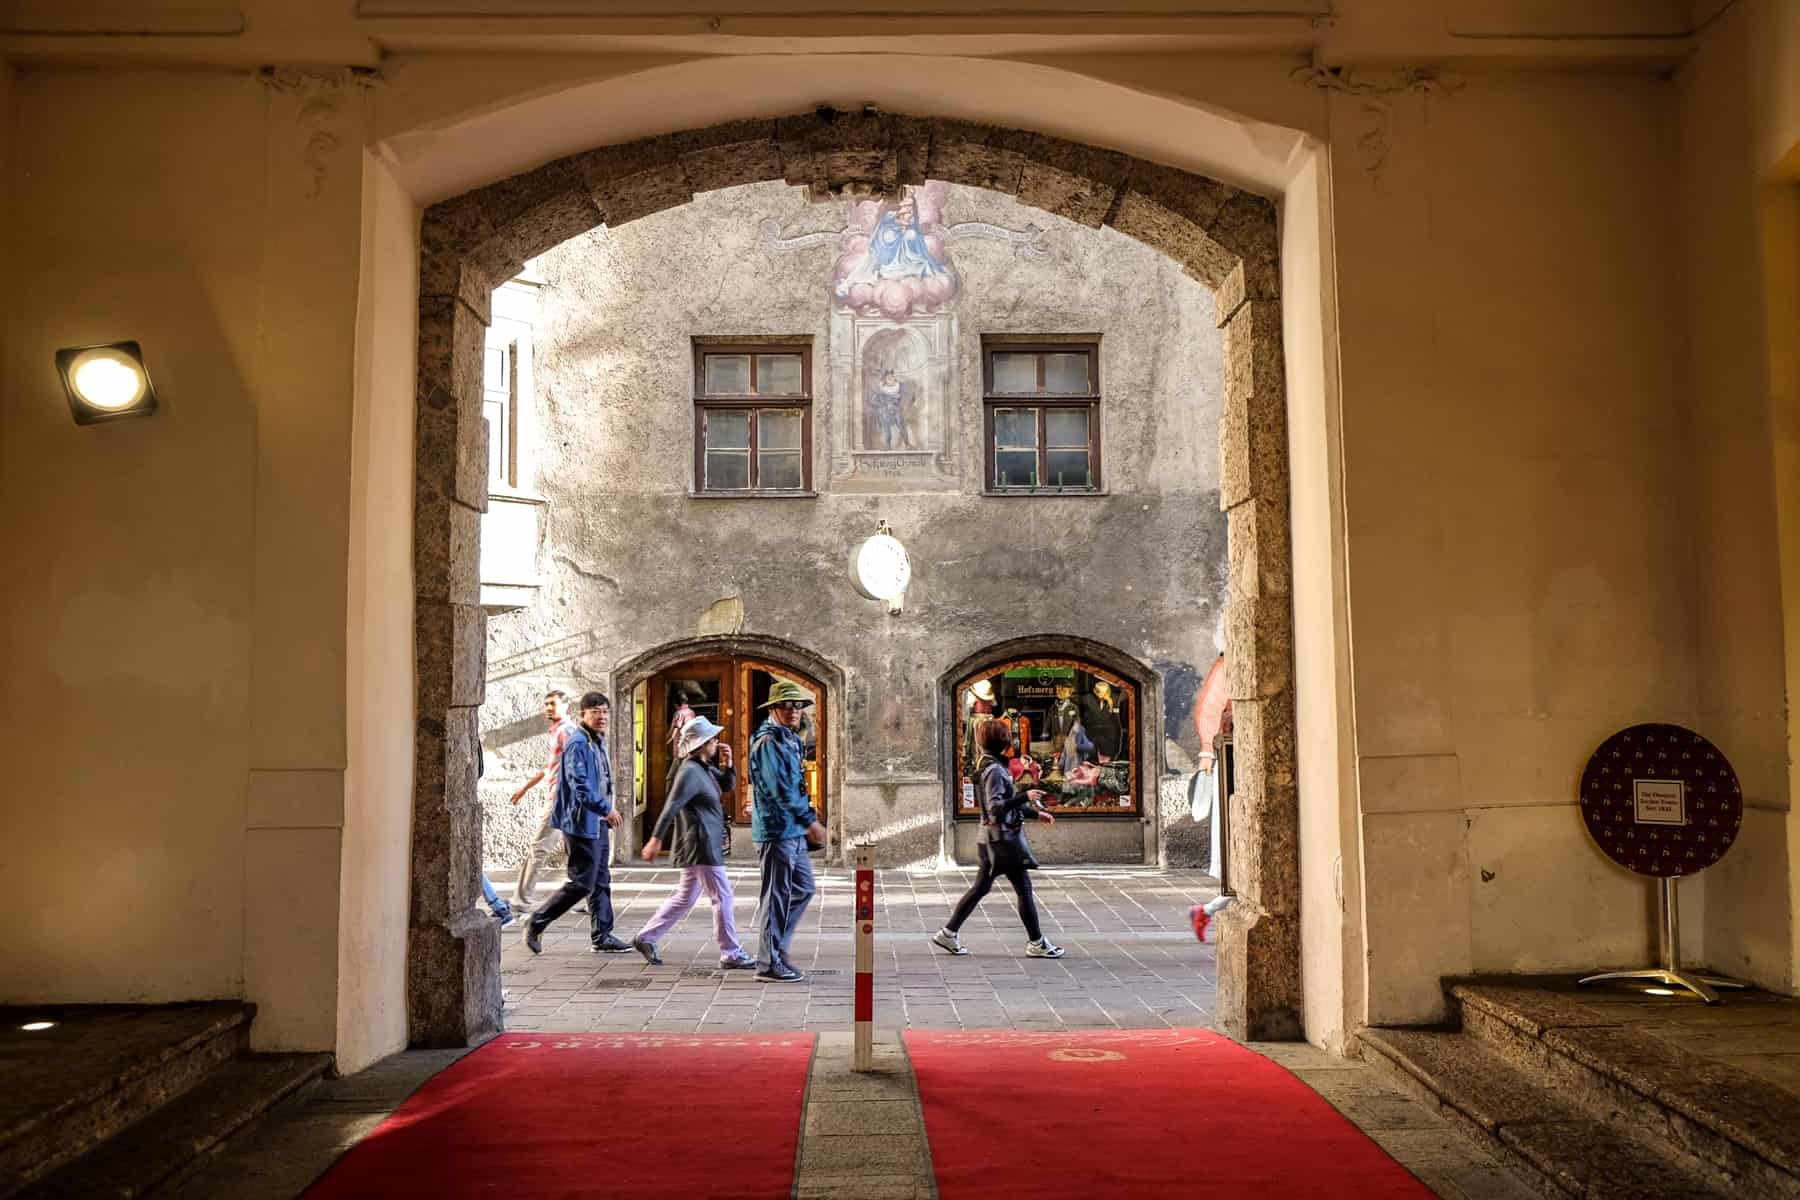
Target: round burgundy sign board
<point x="1661" y="800"/>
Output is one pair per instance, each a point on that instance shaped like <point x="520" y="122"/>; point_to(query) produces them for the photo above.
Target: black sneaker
<point x="534" y="938"/>
<point x="780" y="973"/>
<point x="609" y="945"/>
<point x="648" y="950"/>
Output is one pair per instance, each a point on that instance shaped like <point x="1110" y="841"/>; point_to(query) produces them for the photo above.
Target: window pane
<point x="727" y="374"/>
<point x="1015" y="372"/>
<point x="1015" y="468"/>
<point x="780" y="470"/>
<point x="1066" y="373"/>
<point x="1015" y="427"/>
<point x="727" y="469"/>
<point x="494" y="372"/>
<point x="727" y="429"/>
<point x="778" y="429"/>
<point x="778" y="374"/>
<point x="1068" y="468"/>
<point x="495" y="415"/>
<point x="1066" y="427"/>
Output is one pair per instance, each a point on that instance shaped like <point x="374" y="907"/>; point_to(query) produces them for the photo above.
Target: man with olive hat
<point x="782" y="822"/>
<point x="697" y="818"/>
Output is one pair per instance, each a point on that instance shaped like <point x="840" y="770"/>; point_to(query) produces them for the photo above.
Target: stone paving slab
<point x="1132" y="960"/>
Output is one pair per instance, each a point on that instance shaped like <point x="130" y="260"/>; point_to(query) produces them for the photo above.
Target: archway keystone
<point x="1221" y="235"/>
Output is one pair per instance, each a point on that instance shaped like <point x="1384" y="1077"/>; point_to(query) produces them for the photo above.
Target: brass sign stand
<point x="1661" y="801"/>
<point x="1668" y="936"/>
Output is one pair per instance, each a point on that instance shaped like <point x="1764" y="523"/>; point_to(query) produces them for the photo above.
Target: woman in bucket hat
<point x="694" y="813"/>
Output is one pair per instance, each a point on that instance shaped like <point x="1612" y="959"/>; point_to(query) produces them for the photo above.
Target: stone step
<point x="1558" y="1146"/>
<point x="1735" y="1122"/>
<point x="138" y="1160"/>
<point x="100" y="1069"/>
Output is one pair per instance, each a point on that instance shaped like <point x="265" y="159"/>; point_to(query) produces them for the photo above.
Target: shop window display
<point x="1074" y="733"/>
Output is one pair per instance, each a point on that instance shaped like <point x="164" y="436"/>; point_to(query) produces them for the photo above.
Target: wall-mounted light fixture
<point x="880" y="568"/>
<point x="106" y="383"/>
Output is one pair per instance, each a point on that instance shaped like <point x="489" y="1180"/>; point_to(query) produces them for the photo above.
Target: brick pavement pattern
<point x="1132" y="960"/>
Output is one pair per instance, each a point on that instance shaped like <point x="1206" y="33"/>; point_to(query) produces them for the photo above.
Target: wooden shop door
<point x="731" y="692"/>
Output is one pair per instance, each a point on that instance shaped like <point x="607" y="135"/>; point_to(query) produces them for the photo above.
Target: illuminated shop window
<point x="1075" y="733"/>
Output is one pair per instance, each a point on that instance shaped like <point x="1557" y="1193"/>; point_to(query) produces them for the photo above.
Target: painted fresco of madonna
<point x="891" y="259"/>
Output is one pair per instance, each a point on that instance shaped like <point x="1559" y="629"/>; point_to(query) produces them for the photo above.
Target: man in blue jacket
<point x="584" y="812"/>
<point x="781" y="822"/>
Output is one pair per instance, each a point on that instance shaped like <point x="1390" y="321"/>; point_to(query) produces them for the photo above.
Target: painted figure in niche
<point x="888" y="403"/>
<point x="891" y="259"/>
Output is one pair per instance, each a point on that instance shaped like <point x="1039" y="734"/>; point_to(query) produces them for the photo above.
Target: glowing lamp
<point x="37" y="1026"/>
<point x="106" y="383"/>
<point x="879" y="568"/>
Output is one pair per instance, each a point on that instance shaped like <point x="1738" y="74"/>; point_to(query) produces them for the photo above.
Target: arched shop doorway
<point x="729" y="690"/>
<point x="1079" y="731"/>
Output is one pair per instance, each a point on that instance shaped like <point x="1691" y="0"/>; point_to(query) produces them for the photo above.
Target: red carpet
<point x="544" y="1116"/>
<point x="1135" y="1113"/>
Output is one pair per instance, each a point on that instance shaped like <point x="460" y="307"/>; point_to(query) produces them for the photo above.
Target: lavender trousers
<point x="694" y="880"/>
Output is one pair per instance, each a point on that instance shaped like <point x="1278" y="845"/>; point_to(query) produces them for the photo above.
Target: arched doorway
<point x="1222" y="235"/>
<point x="1081" y="714"/>
<point x="730" y="690"/>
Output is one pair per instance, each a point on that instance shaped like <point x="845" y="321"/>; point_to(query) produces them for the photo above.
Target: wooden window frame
<point x="753" y="403"/>
<point x="1043" y="402"/>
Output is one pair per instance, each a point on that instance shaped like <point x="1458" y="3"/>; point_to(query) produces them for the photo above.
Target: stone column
<point x="453" y="957"/>
<point x="1259" y="936"/>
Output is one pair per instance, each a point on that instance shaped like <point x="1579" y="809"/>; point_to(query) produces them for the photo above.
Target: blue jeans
<point x="495" y="905"/>
<point x="787" y="888"/>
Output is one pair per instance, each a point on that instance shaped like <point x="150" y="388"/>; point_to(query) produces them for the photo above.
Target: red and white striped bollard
<point x="865" y="959"/>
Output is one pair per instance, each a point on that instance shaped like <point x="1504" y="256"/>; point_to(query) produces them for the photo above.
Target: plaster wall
<point x="633" y="561"/>
<point x="371" y="1002"/>
<point x="1739" y="121"/>
<point x="128" y="605"/>
<point x="1518" y="510"/>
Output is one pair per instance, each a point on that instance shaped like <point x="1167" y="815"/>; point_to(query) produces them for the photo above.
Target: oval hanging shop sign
<point x="1661" y="800"/>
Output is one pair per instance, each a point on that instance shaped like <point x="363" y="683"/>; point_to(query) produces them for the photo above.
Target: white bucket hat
<point x="695" y="733"/>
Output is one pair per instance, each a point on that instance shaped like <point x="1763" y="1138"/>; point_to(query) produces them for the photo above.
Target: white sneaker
<point x="943" y="939"/>
<point x="1043" y="948"/>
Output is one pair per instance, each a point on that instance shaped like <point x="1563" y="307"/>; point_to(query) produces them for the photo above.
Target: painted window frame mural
<point x="1042" y="403"/>
<point x="714" y="407"/>
<point x="1050" y="699"/>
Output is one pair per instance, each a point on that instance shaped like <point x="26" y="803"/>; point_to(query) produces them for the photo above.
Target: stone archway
<point x="1221" y="235"/>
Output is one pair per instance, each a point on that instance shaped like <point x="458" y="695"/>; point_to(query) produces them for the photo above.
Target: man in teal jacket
<point x="781" y="820"/>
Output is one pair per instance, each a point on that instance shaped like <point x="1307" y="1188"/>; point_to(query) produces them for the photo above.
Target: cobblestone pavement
<point x="1132" y="960"/>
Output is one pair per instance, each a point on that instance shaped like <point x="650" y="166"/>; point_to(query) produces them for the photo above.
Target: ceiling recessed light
<point x="37" y="1026"/>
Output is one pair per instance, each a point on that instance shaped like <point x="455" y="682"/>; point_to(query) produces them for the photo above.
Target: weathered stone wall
<point x="632" y="561"/>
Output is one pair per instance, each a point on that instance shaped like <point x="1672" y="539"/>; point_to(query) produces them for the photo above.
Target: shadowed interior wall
<point x="371" y="1007"/>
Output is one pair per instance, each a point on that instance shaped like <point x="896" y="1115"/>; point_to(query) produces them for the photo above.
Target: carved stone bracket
<point x="319" y="93"/>
<point x="1370" y="87"/>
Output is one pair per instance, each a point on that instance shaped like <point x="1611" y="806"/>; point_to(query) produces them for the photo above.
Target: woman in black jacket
<point x="1003" y="848"/>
